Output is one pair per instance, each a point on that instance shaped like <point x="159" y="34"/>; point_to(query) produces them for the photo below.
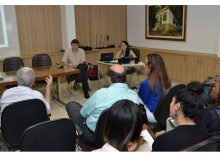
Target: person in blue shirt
<point x="86" y="117"/>
<point x="151" y="89"/>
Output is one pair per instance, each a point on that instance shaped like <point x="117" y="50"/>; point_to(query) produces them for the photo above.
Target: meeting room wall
<point x="202" y="30"/>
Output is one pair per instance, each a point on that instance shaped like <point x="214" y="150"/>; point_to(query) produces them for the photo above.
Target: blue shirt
<point x="105" y="98"/>
<point x="149" y="98"/>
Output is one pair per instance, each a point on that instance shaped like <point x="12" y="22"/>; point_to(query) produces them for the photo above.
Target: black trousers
<point x="73" y="110"/>
<point x="82" y="76"/>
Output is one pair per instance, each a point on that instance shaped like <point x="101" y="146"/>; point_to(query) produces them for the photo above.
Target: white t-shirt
<point x="20" y="93"/>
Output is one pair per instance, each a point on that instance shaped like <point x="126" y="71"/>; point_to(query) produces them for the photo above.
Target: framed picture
<point x="166" y="22"/>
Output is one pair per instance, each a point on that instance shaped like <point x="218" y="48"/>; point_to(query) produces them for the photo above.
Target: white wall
<point x="67" y="25"/>
<point x="12" y="31"/>
<point x="202" y="30"/>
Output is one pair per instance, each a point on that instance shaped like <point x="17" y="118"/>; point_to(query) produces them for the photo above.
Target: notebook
<point x="107" y="56"/>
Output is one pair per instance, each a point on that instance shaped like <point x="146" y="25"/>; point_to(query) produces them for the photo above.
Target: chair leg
<point x="70" y="86"/>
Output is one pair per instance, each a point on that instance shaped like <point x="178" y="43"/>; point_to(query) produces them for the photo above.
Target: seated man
<point x="86" y="117"/>
<point x="75" y="57"/>
<point x="25" y="79"/>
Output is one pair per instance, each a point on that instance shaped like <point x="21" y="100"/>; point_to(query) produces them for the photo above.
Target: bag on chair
<point x="92" y="71"/>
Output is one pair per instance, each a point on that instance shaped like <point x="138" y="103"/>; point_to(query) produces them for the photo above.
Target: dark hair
<point x="157" y="73"/>
<point x="117" y="77"/>
<point x="191" y="99"/>
<point x="127" y="51"/>
<point x="75" y="41"/>
<point x="123" y="124"/>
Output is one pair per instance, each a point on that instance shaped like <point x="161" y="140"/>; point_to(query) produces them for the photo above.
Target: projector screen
<point x="9" y="41"/>
<point x="3" y="30"/>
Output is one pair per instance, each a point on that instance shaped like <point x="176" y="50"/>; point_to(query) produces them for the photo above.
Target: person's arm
<point x="118" y="55"/>
<point x="89" y="106"/>
<point x="144" y="91"/>
<point x="132" y="54"/>
<point x="65" y="60"/>
<point x="148" y="135"/>
<point x="49" y="81"/>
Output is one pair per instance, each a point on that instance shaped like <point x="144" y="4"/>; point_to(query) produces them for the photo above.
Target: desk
<point x="40" y="74"/>
<point x="140" y="64"/>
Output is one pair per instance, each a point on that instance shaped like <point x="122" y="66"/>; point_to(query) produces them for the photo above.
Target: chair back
<point x="136" y="52"/>
<point x="54" y="135"/>
<point x="18" y="116"/>
<point x="163" y="108"/>
<point x="99" y="131"/>
<point x="41" y="60"/>
<point x="206" y="145"/>
<point x="12" y="63"/>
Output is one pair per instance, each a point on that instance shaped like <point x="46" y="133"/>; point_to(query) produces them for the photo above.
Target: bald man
<point x="87" y="116"/>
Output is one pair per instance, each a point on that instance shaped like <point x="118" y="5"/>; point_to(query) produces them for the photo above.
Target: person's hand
<point x="73" y="65"/>
<point x="145" y="127"/>
<point x="49" y="80"/>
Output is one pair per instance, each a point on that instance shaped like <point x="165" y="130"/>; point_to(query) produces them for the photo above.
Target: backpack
<point x="92" y="71"/>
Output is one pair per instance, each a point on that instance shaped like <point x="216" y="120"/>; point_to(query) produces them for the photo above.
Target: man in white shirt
<point x="25" y="79"/>
<point x="75" y="58"/>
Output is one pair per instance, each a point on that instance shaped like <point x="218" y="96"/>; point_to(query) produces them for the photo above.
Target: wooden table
<point x="9" y="78"/>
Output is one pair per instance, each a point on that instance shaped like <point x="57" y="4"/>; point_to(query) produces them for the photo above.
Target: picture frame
<point x="166" y="22"/>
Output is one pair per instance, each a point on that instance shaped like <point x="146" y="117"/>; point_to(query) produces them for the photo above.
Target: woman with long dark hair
<point x="125" y="51"/>
<point x="151" y="89"/>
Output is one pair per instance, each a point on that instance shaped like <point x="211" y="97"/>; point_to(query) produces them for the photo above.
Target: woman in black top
<point x="185" y="107"/>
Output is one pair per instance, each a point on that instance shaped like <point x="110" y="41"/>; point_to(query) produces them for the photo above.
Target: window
<point x="165" y="16"/>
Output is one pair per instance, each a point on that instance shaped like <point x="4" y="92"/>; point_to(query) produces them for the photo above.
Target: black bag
<point x="92" y="71"/>
<point x="144" y="113"/>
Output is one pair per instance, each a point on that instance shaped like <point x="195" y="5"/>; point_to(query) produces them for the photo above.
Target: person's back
<point x="185" y="107"/>
<point x="105" y="97"/>
<point x="123" y="127"/>
<point x="25" y="79"/>
<point x="180" y="137"/>
<point x="100" y="100"/>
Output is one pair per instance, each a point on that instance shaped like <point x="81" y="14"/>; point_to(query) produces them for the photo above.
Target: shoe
<point x="86" y="95"/>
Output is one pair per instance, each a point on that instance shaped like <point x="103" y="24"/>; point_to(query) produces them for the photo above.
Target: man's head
<point x="25" y="76"/>
<point x="117" y="74"/>
<point x="75" y="44"/>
